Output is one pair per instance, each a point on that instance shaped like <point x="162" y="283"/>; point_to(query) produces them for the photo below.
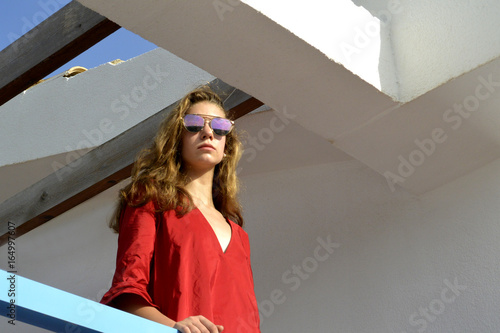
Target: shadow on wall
<point x="386" y="11"/>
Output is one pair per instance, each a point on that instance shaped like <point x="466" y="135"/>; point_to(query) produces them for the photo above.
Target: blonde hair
<point x="158" y="174"/>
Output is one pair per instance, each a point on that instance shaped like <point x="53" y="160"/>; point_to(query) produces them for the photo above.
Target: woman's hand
<point x="197" y="324"/>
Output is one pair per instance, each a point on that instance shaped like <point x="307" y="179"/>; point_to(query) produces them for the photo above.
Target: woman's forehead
<point x="206" y="108"/>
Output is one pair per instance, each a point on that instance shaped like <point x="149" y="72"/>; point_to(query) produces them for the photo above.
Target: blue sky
<point x="17" y="16"/>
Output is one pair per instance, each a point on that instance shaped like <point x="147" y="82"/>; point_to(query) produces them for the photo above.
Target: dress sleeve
<point x="136" y="241"/>
<point x="246" y="242"/>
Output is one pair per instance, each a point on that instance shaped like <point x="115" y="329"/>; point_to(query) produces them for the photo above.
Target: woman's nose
<point x="207" y="130"/>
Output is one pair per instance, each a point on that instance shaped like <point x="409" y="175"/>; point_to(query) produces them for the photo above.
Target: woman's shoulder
<point x="238" y="229"/>
<point x="242" y="235"/>
<point x="149" y="206"/>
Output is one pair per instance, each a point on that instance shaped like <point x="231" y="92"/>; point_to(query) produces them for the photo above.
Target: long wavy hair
<point x="159" y="173"/>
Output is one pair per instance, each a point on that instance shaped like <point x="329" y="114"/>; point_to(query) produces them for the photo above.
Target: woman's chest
<point x="208" y="235"/>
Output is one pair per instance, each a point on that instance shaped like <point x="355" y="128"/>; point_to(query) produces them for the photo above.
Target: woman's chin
<point x="204" y="164"/>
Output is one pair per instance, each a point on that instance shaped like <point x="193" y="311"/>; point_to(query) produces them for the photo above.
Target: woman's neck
<point x="200" y="188"/>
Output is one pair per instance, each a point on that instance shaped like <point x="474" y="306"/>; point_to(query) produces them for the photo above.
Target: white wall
<point x="394" y="251"/>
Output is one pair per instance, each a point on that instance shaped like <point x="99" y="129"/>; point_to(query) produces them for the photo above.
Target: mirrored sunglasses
<point x="195" y="123"/>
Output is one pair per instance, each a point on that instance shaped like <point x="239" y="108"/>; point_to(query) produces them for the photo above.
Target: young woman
<point x="183" y="259"/>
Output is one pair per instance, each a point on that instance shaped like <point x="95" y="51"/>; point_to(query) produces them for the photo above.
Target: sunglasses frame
<point x="205" y="119"/>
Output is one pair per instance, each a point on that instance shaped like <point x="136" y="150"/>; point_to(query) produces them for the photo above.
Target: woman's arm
<point x="138" y="306"/>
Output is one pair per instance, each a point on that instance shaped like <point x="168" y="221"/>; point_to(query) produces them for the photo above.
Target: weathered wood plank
<point x="61" y="37"/>
<point x="96" y="171"/>
<point x="245" y="107"/>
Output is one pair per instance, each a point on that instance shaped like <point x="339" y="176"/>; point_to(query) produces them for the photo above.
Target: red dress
<point x="177" y="265"/>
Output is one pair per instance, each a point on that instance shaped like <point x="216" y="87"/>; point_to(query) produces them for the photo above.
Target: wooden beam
<point x="61" y="37"/>
<point x="96" y="171"/>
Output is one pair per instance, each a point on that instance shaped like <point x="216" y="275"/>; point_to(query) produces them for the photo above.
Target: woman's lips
<point x="206" y="146"/>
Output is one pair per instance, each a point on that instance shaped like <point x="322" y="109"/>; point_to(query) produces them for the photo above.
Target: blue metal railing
<point x="31" y="302"/>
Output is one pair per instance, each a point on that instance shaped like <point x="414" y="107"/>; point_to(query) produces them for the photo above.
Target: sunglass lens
<point x="193" y="123"/>
<point x="221" y="126"/>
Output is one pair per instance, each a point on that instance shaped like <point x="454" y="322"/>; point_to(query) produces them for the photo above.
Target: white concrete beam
<point x="250" y="51"/>
<point x="63" y="115"/>
<point x="404" y="48"/>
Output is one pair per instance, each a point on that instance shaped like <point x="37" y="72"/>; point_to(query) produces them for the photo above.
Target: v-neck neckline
<point x="214" y="234"/>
